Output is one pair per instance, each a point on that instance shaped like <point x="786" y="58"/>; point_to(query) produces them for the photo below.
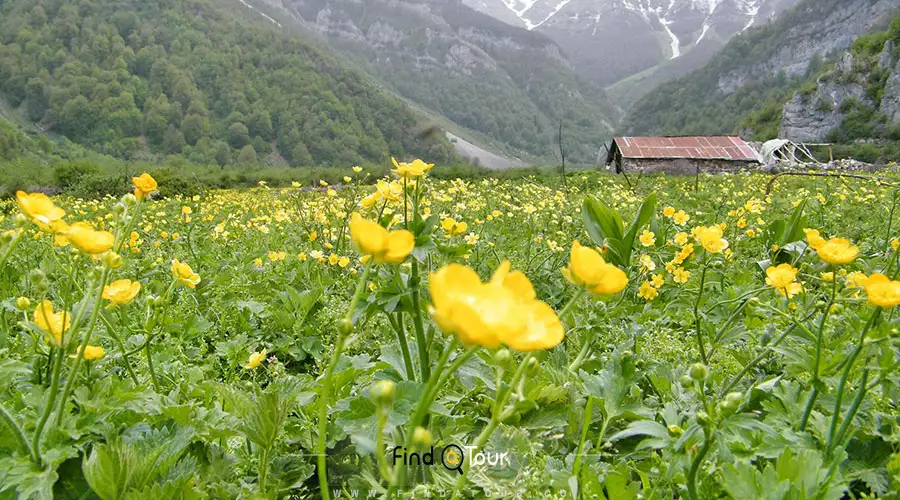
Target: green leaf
<point x="602" y="223"/>
<point x="645" y="213"/>
<point x="642" y="428"/>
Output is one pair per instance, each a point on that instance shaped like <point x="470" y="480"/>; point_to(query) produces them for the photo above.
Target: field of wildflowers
<point x="414" y="338"/>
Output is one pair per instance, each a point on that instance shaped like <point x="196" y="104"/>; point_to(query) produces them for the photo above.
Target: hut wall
<point x="684" y="166"/>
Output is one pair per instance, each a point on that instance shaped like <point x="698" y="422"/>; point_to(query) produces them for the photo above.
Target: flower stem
<point x="421" y="343"/>
<point x="54" y="386"/>
<point x="344" y="329"/>
<point x="73" y="372"/>
<point x="695" y="466"/>
<point x="118" y="340"/>
<point x="263" y="469"/>
<point x="585" y="424"/>
<point x="497" y="416"/>
<point x="818" y="359"/>
<point x="17" y="431"/>
<point x="697" y="315"/>
<point x="842" y="384"/>
<point x="404" y="344"/>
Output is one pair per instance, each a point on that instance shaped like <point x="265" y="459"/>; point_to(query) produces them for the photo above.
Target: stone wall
<point x="685" y="166"/>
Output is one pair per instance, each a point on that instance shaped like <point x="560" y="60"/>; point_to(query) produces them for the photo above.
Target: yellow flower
<point x="333" y="259"/>
<point x="647" y="292"/>
<point x="668" y="211"/>
<point x="856" y="279"/>
<point x="357" y="169"/>
<point x="587" y="268"/>
<point x="658" y="280"/>
<point x="647" y="238"/>
<point x="256" y="359"/>
<point x="89" y="240"/>
<point x="827" y="277"/>
<point x="783" y="278"/>
<point x="184" y="274"/>
<point x="882" y="291"/>
<point x="711" y="239"/>
<point x="344" y="262"/>
<point x="503" y="310"/>
<point x="144" y="184"/>
<point x="647" y="263"/>
<point x="814" y="239"/>
<point x="681" y="218"/>
<point x="372" y="239"/>
<point x="408" y="171"/>
<point x="681" y="238"/>
<point x="837" y="251"/>
<point x="91" y="353"/>
<point x="40" y="209"/>
<point x="453" y="228"/>
<point x="681" y="275"/>
<point x="52" y="322"/>
<point x="121" y="292"/>
<point x="895" y="244"/>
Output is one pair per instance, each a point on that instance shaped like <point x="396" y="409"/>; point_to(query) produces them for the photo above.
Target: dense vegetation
<point x="506" y="83"/>
<point x="239" y="345"/>
<point x="138" y="80"/>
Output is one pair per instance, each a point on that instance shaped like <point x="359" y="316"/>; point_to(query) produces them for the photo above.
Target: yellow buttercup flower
<point x="783" y="278"/>
<point x="372" y="239"/>
<point x="50" y="321"/>
<point x="837" y="251"/>
<point x="40" y="209"/>
<point x="504" y="310"/>
<point x="681" y="218"/>
<point x="711" y="239"/>
<point x="454" y="228"/>
<point x="668" y="211"/>
<point x="184" y="274"/>
<point x="91" y="352"/>
<point x="89" y="240"/>
<point x="681" y="275"/>
<point x="647" y="292"/>
<point x="813" y="238"/>
<point x="121" y="292"/>
<point x="588" y="269"/>
<point x="648" y="238"/>
<point x="681" y="238"/>
<point x="144" y="184"/>
<point x="882" y="291"/>
<point x="408" y="171"/>
<point x="256" y="359"/>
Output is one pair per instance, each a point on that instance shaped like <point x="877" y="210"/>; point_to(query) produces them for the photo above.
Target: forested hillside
<point x="138" y="80"/>
<point x="510" y="85"/>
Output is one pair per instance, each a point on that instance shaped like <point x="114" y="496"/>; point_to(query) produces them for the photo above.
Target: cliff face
<point x="857" y="84"/>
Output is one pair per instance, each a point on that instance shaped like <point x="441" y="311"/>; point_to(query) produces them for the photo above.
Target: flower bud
<point x="703" y="417"/>
<point x="20" y="220"/>
<point x="699" y="372"/>
<point x="733" y="400"/>
<point x="112" y="260"/>
<point x="129" y="200"/>
<point x="627" y="354"/>
<point x="39" y="279"/>
<point x="157" y="302"/>
<point x="382" y="393"/>
<point x="5" y="237"/>
<point x="636" y="392"/>
<point x="533" y="367"/>
<point x="346" y="326"/>
<point x="675" y="430"/>
<point x="421" y="437"/>
<point x="118" y="208"/>
<point x="687" y="382"/>
<point x="837" y="308"/>
<point x="23" y="303"/>
<point x="502" y="357"/>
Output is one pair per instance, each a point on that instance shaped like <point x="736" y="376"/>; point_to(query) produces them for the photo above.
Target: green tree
<point x="238" y="135"/>
<point x="247" y="156"/>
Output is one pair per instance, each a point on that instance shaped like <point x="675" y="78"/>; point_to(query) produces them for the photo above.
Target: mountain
<point x="765" y="64"/>
<point x="209" y="81"/>
<point x="609" y="41"/>
<point x="511" y="86"/>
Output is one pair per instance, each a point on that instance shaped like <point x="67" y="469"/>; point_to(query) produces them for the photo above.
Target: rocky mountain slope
<point x="611" y="40"/>
<point x="763" y="64"/>
<point x="511" y="86"/>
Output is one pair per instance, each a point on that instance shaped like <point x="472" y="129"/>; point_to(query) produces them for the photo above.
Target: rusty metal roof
<point x="706" y="148"/>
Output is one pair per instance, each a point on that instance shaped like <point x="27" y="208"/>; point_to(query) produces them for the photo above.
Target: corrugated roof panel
<point x="715" y="147"/>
